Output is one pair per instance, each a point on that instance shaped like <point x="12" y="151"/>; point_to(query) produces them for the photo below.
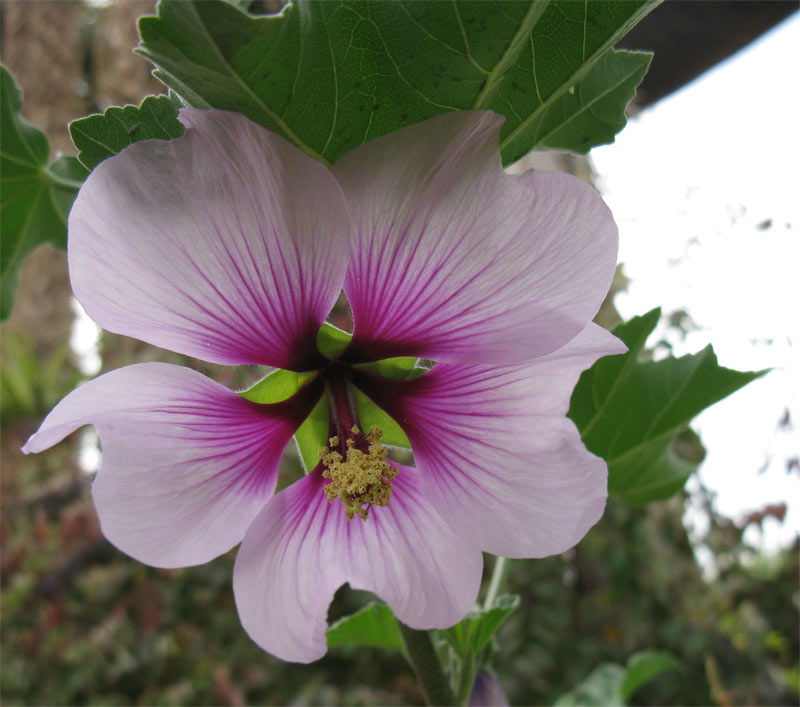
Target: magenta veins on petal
<point x="230" y="245"/>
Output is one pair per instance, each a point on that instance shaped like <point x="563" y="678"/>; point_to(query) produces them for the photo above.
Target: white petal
<point x="187" y="463"/>
<point x="458" y="262"/>
<point x="227" y="244"/>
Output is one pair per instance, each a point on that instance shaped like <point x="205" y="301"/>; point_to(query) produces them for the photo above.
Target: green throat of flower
<point x="359" y="473"/>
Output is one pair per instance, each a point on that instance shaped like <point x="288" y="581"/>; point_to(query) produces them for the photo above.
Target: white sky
<point x="689" y="181"/>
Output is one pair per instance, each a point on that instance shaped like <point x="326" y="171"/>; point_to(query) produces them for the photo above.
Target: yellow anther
<point x="360" y="479"/>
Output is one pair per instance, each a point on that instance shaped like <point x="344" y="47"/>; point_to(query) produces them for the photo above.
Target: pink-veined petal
<point x="227" y="244"/>
<point x="301" y="549"/>
<point x="187" y="464"/>
<point x="456" y="261"/>
<point x="530" y="497"/>
<point x="495" y="454"/>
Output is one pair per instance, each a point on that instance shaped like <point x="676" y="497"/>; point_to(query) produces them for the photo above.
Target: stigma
<point x="359" y="473"/>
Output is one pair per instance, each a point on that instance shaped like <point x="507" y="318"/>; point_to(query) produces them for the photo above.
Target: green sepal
<point x="370" y="414"/>
<point x="331" y="340"/>
<point x="373" y="625"/>
<point x="399" y="369"/>
<point x="98" y="137"/>
<point x="277" y="386"/>
<point x="312" y="436"/>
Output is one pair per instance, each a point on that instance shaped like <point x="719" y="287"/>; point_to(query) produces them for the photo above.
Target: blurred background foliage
<point x="84" y="624"/>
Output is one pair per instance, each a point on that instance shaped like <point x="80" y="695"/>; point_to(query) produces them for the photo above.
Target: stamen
<point x="361" y="477"/>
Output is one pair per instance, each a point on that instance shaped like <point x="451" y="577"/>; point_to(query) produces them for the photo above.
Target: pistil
<point x="354" y="462"/>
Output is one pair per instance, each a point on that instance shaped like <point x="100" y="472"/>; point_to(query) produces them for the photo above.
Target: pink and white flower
<point x="231" y="245"/>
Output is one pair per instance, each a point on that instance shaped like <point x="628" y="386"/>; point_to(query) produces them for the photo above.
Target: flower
<point x="231" y="245"/>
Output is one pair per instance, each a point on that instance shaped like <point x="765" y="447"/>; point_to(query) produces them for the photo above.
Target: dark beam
<point x="690" y="36"/>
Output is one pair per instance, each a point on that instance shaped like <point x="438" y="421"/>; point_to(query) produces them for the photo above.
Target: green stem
<point x="427" y="666"/>
<point x="498" y="577"/>
<point x="466" y="678"/>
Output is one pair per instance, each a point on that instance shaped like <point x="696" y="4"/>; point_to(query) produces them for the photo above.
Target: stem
<point x="427" y="666"/>
<point x="498" y="577"/>
<point x="466" y="678"/>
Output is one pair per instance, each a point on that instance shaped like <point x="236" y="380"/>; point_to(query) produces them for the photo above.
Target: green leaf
<point x="329" y="76"/>
<point x="611" y="684"/>
<point x="370" y="414"/>
<point x="593" y="112"/>
<point x="277" y="386"/>
<point x="312" y="436"/>
<point x="374" y="625"/>
<point x="100" y="136"/>
<point x="36" y="198"/>
<point x="603" y="688"/>
<point x="473" y="633"/>
<point x="643" y="667"/>
<point x="629" y="411"/>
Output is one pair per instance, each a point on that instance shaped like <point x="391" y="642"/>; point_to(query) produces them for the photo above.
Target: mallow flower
<point x="231" y="245"/>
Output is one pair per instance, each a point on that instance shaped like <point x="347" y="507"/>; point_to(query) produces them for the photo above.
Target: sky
<point x="704" y="186"/>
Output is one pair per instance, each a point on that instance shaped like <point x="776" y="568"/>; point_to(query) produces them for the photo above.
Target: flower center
<point x="360" y="475"/>
<point x="354" y="462"/>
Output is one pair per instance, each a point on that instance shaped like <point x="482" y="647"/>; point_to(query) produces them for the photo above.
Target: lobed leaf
<point x="36" y="196"/>
<point x="100" y="136"/>
<point x="629" y="411"/>
<point x="329" y="76"/>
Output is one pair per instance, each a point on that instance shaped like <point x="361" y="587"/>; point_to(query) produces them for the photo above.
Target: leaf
<point x="374" y="625"/>
<point x="611" y="684"/>
<point x="100" y="136"/>
<point x="629" y="411"/>
<point x="471" y="634"/>
<point x="36" y="198"/>
<point x="643" y="667"/>
<point x="601" y="689"/>
<point x="277" y="386"/>
<point x="593" y="112"/>
<point x="329" y="76"/>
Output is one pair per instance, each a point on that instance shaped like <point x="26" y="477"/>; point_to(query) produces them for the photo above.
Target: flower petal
<point x="187" y="463"/>
<point x="531" y="497"/>
<point x="227" y="244"/>
<point x="301" y="549"/>
<point x="495" y="454"/>
<point x="456" y="261"/>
